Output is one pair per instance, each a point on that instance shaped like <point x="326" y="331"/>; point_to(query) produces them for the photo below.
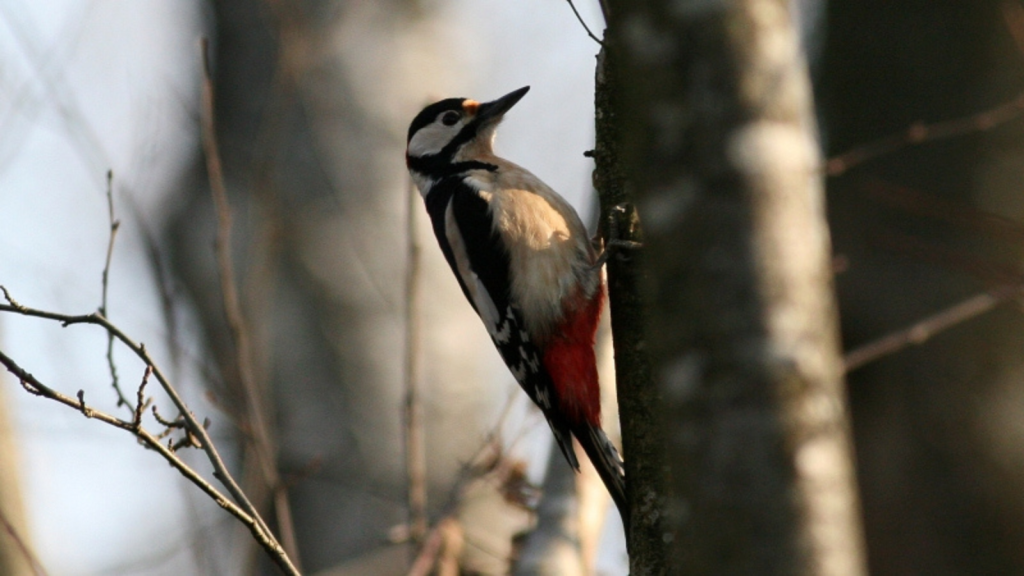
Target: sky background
<point x="91" y="86"/>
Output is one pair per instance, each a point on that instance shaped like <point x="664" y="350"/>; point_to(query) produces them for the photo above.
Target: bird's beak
<point x="494" y="110"/>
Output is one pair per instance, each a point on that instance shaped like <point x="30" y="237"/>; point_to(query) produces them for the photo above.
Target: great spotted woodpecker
<point x="524" y="260"/>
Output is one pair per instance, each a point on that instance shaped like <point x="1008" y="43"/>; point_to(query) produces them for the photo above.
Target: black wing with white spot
<point x="462" y="223"/>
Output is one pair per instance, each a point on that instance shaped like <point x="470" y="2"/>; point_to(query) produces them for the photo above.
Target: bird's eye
<point x="450" y="118"/>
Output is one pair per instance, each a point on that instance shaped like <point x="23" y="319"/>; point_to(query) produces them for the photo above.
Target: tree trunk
<point x="643" y="438"/>
<point x="719" y="140"/>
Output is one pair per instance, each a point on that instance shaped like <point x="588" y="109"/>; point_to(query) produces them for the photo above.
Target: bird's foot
<point x="613" y="242"/>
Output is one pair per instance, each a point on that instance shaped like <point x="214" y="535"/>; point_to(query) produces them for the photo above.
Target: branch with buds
<point x="194" y="433"/>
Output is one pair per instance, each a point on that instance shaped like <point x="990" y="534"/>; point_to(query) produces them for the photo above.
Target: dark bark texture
<point x="643" y="437"/>
<point x="719" y="140"/>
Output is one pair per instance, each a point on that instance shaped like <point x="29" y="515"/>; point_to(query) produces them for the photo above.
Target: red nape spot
<point x="569" y="358"/>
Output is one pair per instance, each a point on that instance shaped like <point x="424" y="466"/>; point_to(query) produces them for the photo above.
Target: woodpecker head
<point x="454" y="130"/>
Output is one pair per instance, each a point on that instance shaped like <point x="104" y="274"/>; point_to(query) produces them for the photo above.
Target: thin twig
<point x="141" y="401"/>
<point x="415" y="449"/>
<point x="921" y="132"/>
<point x="192" y="426"/>
<point x="584" y="24"/>
<point x="115" y="224"/>
<point x="920" y="332"/>
<point x="176" y="424"/>
<point x="34" y="386"/>
<point x="262" y="441"/>
<point x="989" y="272"/>
<point x="935" y="208"/>
<point x="22" y="546"/>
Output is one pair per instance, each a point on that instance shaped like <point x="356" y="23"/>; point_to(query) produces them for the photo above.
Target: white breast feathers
<point x="547" y="243"/>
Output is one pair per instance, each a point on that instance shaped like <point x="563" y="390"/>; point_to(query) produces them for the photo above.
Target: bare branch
<point x="936" y="208"/>
<point x="192" y="426"/>
<point x="141" y="401"/>
<point x="33" y="385"/>
<point x="262" y="441"/>
<point x="920" y="332"/>
<point x="415" y="449"/>
<point x="177" y="423"/>
<point x="920" y="132"/>
<point x="584" y="24"/>
<point x="11" y="301"/>
<point x="114" y="226"/>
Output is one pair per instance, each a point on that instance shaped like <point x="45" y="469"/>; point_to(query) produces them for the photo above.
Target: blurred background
<point x="312" y="103"/>
<point x="313" y="100"/>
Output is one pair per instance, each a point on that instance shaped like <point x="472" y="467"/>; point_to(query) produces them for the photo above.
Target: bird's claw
<point x="614" y="243"/>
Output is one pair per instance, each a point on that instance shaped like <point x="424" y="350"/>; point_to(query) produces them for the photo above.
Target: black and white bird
<point x="525" y="262"/>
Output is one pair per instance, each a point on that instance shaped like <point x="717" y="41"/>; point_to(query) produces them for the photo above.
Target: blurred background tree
<point x="308" y="106"/>
<point x="938" y="426"/>
<point x="312" y="103"/>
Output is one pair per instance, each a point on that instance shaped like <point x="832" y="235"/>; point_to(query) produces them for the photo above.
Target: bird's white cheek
<point x="430" y="140"/>
<point x="424" y="144"/>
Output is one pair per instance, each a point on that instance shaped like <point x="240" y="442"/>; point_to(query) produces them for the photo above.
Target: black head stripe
<point x="440" y="166"/>
<point x="429" y="114"/>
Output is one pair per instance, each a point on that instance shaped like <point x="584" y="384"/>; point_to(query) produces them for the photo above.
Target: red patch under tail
<point x="570" y="360"/>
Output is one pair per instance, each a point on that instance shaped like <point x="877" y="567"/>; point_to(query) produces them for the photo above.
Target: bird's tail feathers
<point x="563" y="437"/>
<point x="606" y="460"/>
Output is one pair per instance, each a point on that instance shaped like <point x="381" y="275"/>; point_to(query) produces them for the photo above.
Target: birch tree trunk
<point x="719" y="140"/>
